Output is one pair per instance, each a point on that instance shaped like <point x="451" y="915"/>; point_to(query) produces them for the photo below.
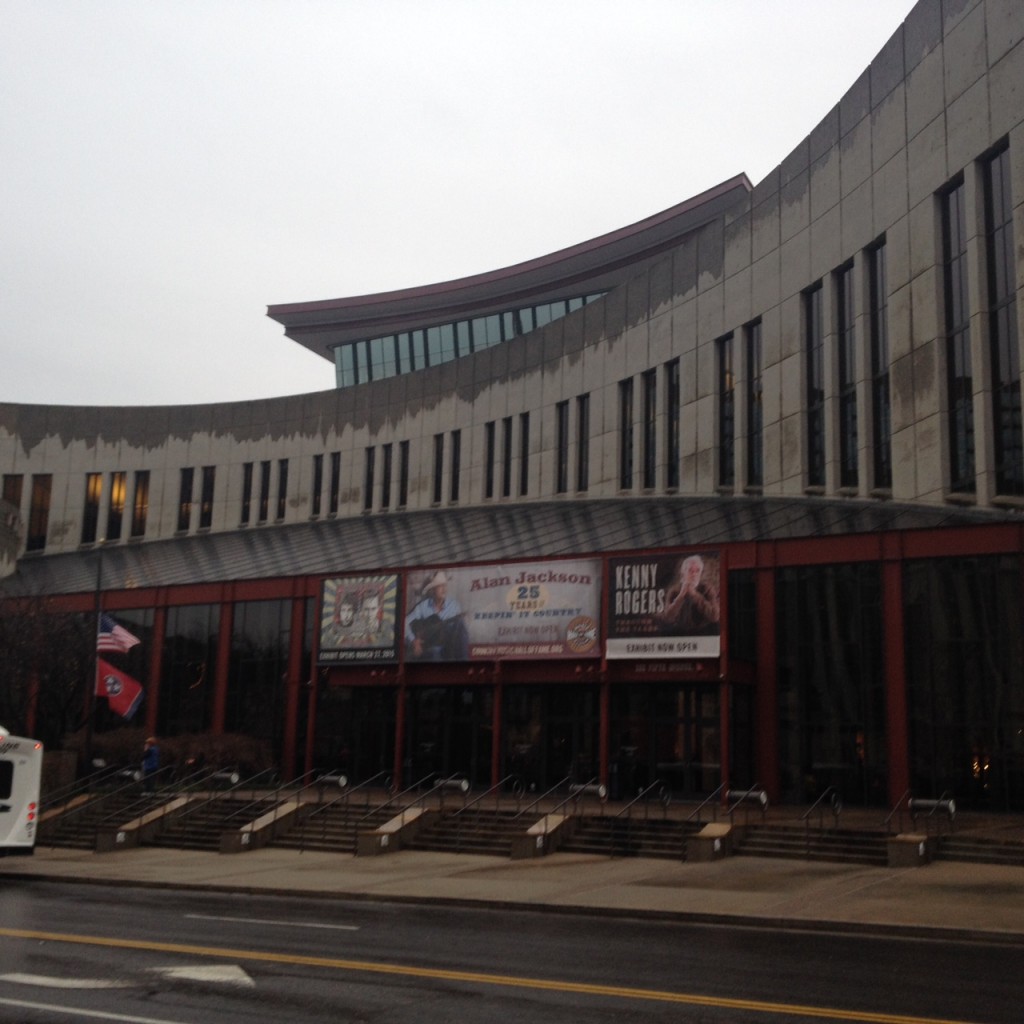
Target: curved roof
<point x="591" y="266"/>
<point x="482" y="534"/>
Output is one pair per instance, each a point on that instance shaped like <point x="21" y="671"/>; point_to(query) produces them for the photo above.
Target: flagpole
<point x="91" y="700"/>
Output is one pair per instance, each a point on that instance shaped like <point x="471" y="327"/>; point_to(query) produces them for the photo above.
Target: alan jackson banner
<point x="529" y="610"/>
<point x="665" y="606"/>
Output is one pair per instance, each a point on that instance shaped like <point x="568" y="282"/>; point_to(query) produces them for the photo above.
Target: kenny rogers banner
<point x="536" y="610"/>
<point x="665" y="606"/>
<point x="357" y="619"/>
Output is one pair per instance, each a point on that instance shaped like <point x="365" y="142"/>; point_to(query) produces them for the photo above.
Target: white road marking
<point x="282" y="924"/>
<point x="226" y="974"/>
<point x="42" y="981"/>
<point x="75" y="1011"/>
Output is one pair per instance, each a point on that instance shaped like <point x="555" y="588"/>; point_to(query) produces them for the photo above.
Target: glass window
<point x="489" y="458"/>
<point x="463" y="338"/>
<point x="524" y="453"/>
<point x="140" y="503"/>
<point x="368" y="467"/>
<point x="626" y="433"/>
<point x="185" y="500"/>
<point x="246" y="493"/>
<point x="403" y="474"/>
<point x="649" y="384"/>
<point x="405" y="364"/>
<point x="318" y="484"/>
<point x="673" y="401"/>
<point x="582" y="442"/>
<point x="282" y="488"/>
<point x="335" y="491"/>
<point x="456" y="468"/>
<point x="91" y="512"/>
<point x="880" y="403"/>
<point x="206" y="498"/>
<point x="344" y="366"/>
<point x="755" y="406"/>
<point x="846" y="357"/>
<point x="39" y="512"/>
<point x="385" y="477"/>
<point x="1003" y="340"/>
<point x="12" y="489"/>
<point x="561" y="447"/>
<point x="264" y="507"/>
<point x="118" y="499"/>
<point x="959" y="375"/>
<point x="506" y="452"/>
<point x="438" y="468"/>
<point x="814" y="351"/>
<point x="726" y="414"/>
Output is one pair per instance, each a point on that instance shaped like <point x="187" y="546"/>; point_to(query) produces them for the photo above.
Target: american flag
<point x="113" y="637"/>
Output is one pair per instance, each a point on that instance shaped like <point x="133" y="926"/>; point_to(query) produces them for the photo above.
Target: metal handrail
<point x="91" y="805"/>
<point x="743" y="798"/>
<point x="712" y="799"/>
<point x="665" y="799"/>
<point x="192" y="808"/>
<point x="544" y="796"/>
<point x="836" y="802"/>
<point x="345" y="797"/>
<point x="68" y="792"/>
<point x="897" y="809"/>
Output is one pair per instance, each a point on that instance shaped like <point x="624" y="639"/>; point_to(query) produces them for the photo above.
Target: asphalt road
<point x="76" y="952"/>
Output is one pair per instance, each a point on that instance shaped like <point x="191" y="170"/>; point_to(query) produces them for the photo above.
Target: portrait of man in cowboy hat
<point x="434" y="629"/>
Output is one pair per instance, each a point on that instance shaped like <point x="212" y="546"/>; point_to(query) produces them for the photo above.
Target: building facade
<point x="812" y="383"/>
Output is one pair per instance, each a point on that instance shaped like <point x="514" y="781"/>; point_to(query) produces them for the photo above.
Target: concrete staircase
<point x="483" y="832"/>
<point x="977" y="850"/>
<point x="621" y="837"/>
<point x="845" y="846"/>
<point x="334" y="829"/>
<point x="200" y="827"/>
<point x="77" y="824"/>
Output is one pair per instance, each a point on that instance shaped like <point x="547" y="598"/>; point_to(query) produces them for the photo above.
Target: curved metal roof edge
<point x="674" y="222"/>
<point x="545" y="530"/>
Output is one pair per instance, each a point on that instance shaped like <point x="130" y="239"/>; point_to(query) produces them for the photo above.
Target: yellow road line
<point x="478" y="978"/>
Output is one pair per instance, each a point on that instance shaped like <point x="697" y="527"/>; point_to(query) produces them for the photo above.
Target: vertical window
<point x="489" y="454"/>
<point x="726" y="414"/>
<point x="755" y="405"/>
<point x="385" y="476"/>
<point x="649" y="384"/>
<point x="115" y="512"/>
<point x="403" y="474"/>
<point x="368" y="469"/>
<point x="318" y="485"/>
<point x="506" y="457"/>
<point x="12" y="489"/>
<point x="561" y="447"/>
<point x="582" y="442"/>
<point x="335" y="491"/>
<point x="1002" y="308"/>
<point x="814" y="350"/>
<point x="524" y="453"/>
<point x="846" y="357"/>
<point x="673" y="408"/>
<point x="246" y="493"/>
<point x="91" y="511"/>
<point x="282" y="488"/>
<point x="264" y="506"/>
<point x="881" y="415"/>
<point x="438" y="468"/>
<point x="39" y="512"/>
<point x="140" y="503"/>
<point x="206" y="498"/>
<point x="626" y="433"/>
<point x="456" y="467"/>
<point x="185" y="500"/>
<point x="959" y="376"/>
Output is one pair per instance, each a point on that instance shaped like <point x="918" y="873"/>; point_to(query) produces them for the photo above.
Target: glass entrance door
<point x="448" y="733"/>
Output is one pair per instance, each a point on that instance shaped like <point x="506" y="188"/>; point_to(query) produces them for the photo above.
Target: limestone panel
<point x="967" y="126"/>
<point x="825" y="183"/>
<point x="765" y="287"/>
<point x="795" y="206"/>
<point x="886" y="71"/>
<point x="795" y="257"/>
<point x="766" y="228"/>
<point x="826" y="242"/>
<point x="925" y="93"/>
<point x="858" y="221"/>
<point x="824" y="136"/>
<point x="1005" y="28"/>
<point x="889" y="200"/>
<point x="964" y="53"/>
<point x="738" y="243"/>
<point x="711" y="313"/>
<point x="659" y="340"/>
<point x="926" y="314"/>
<point x="855" y="106"/>
<point x="855" y="157"/>
<point x="889" y="127"/>
<point x="738" y="307"/>
<point x="900" y="341"/>
<point x="926" y="156"/>
<point x="1006" y="92"/>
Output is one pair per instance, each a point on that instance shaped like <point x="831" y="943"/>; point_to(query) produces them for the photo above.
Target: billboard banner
<point x="529" y="610"/>
<point x="665" y="606"/>
<point x="358" y="615"/>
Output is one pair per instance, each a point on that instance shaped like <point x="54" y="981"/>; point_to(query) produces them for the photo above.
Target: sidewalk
<point x="975" y="900"/>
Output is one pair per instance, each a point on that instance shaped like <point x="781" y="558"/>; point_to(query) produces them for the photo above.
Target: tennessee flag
<point x="124" y="694"/>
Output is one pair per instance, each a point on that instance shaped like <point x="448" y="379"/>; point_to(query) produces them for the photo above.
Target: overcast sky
<point x="172" y="167"/>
